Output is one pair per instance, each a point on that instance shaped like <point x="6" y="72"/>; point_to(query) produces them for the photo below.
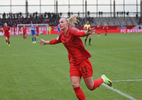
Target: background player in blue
<point x="58" y="30"/>
<point x="33" y="33"/>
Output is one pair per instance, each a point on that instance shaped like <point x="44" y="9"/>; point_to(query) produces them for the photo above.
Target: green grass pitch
<point x="34" y="72"/>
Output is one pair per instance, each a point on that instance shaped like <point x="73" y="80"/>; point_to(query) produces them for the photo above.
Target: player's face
<point x="5" y="24"/>
<point x="87" y="22"/>
<point x="63" y="24"/>
<point x="31" y="24"/>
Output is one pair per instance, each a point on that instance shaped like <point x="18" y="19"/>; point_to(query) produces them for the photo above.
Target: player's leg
<point x="35" y="38"/>
<point x="75" y="79"/>
<point x="90" y="40"/>
<point x="76" y="86"/>
<point x="87" y="73"/>
<point x="86" y="40"/>
<point x="8" y="39"/>
<point x="37" y="34"/>
<point x="99" y="33"/>
<point x="25" y="36"/>
<point x="105" y="33"/>
<point x="93" y="84"/>
<point x="49" y="32"/>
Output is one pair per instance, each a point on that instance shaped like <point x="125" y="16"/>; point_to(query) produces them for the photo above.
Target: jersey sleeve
<point x="78" y="33"/>
<point x="55" y="41"/>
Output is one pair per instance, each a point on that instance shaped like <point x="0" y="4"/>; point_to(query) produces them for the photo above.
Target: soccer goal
<point x="43" y="28"/>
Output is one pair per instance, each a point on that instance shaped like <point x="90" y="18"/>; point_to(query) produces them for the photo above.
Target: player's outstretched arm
<point x="89" y="31"/>
<point x="43" y="42"/>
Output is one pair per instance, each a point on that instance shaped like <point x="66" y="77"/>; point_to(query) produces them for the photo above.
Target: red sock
<point x="106" y="34"/>
<point x="8" y="42"/>
<point x="97" y="83"/>
<point x="79" y="93"/>
<point x="25" y="37"/>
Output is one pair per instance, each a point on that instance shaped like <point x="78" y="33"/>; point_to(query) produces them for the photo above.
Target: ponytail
<point x="72" y="20"/>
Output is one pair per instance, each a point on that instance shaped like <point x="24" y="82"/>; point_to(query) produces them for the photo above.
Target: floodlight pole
<point x="26" y="8"/>
<point x="85" y="8"/>
<point x="40" y="6"/>
<point x="10" y="6"/>
<point x="56" y="7"/>
<point x="124" y="7"/>
<point x="114" y="8"/>
<point x="69" y="5"/>
<point x="141" y="7"/>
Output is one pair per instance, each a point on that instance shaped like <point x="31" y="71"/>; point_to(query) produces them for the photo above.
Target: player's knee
<point x="75" y="85"/>
<point x="90" y="86"/>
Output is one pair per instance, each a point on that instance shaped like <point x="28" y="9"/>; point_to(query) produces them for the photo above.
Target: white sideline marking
<point x="119" y="92"/>
<point x="127" y="80"/>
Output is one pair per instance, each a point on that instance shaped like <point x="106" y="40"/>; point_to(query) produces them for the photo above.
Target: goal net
<point x="43" y="28"/>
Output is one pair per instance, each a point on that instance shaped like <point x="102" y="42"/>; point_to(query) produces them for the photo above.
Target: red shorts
<point x="7" y="36"/>
<point x="24" y="33"/>
<point x="105" y="30"/>
<point x="83" y="69"/>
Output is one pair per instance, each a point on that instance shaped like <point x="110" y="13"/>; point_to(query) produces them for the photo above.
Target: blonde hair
<point x="72" y="20"/>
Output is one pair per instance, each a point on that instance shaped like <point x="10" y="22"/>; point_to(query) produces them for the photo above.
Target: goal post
<point x="43" y="28"/>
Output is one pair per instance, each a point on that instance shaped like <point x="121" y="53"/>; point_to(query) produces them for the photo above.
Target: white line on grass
<point x="127" y="80"/>
<point x="119" y="92"/>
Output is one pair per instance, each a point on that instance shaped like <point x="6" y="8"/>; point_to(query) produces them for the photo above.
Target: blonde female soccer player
<point x="80" y="66"/>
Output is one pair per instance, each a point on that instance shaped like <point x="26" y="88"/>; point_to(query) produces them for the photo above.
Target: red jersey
<point x="37" y="29"/>
<point x="99" y="27"/>
<point x="6" y="30"/>
<point x="76" y="51"/>
<point x="105" y="27"/>
<point x="24" y="29"/>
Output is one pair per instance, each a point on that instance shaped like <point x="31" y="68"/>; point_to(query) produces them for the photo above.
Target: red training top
<point x="99" y="27"/>
<point x="6" y="30"/>
<point x="105" y="27"/>
<point x="24" y="29"/>
<point x="76" y="51"/>
<point x="37" y="29"/>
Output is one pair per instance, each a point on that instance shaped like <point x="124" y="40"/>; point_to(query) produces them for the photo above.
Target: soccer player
<point x="49" y="29"/>
<point x="6" y="30"/>
<point x="58" y="30"/>
<point x="33" y="33"/>
<point x="80" y="66"/>
<point x="99" y="28"/>
<point x="37" y="31"/>
<point x="105" y="29"/>
<point x="87" y="25"/>
<point x="24" y="32"/>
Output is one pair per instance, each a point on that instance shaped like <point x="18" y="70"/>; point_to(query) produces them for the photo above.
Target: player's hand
<point x="90" y="30"/>
<point x="42" y="42"/>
